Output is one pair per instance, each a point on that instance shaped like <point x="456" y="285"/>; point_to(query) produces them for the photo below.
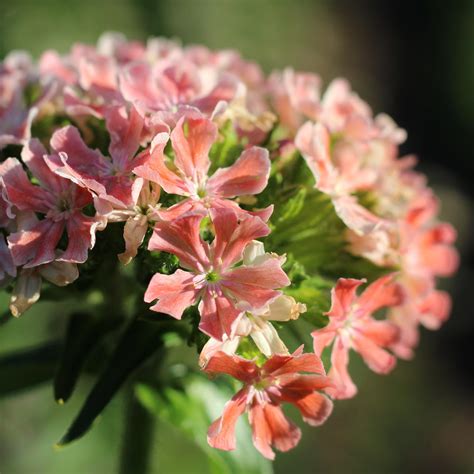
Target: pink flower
<point x="57" y="200"/>
<point x="338" y="176"/>
<point x="265" y="388"/>
<point x="295" y="97"/>
<point x="431" y="311"/>
<point x="109" y="180"/>
<point x="225" y="292"/>
<point x="248" y="175"/>
<point x="172" y="90"/>
<point x="16" y="72"/>
<point x="351" y="326"/>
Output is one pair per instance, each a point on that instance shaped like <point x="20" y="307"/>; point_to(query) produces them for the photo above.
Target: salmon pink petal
<point x="378" y="359"/>
<point x="218" y="316"/>
<point x="37" y="244"/>
<point x="80" y="157"/>
<point x="313" y="142"/>
<point x="270" y="428"/>
<point x="221" y="433"/>
<point x="233" y="235"/>
<point x="294" y="386"/>
<point x="33" y="156"/>
<point x="154" y="169"/>
<point x="382" y="292"/>
<point x="248" y="175"/>
<point x="175" y="293"/>
<point x="192" y="139"/>
<point x="356" y="217"/>
<point x="280" y="365"/>
<point x="80" y="231"/>
<point x="256" y="285"/>
<point x="434" y="309"/>
<point x="343" y="295"/>
<point x="181" y="238"/>
<point x="315" y="408"/>
<point x="137" y="85"/>
<point x="125" y="132"/>
<point x="344" y="386"/>
<point x="241" y="369"/>
<point x="321" y="339"/>
<point x="20" y="192"/>
<point x="382" y="333"/>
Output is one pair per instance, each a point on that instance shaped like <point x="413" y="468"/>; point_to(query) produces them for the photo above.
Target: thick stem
<point x="137" y="438"/>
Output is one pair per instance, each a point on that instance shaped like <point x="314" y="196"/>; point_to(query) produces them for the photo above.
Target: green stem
<point x="138" y="437"/>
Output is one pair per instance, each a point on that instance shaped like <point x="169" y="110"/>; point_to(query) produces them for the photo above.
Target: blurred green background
<point x="412" y="60"/>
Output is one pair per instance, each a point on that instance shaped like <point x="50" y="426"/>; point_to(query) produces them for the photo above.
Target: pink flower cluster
<point x="165" y="108"/>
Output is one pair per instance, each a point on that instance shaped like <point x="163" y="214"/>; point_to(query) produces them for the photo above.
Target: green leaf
<point x="192" y="411"/>
<point x="29" y="367"/>
<point x="83" y="333"/>
<point x="225" y="151"/>
<point x="140" y="341"/>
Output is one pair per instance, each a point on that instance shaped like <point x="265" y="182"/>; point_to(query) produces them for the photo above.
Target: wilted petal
<point x="59" y="273"/>
<point x="133" y="234"/>
<point x="26" y="292"/>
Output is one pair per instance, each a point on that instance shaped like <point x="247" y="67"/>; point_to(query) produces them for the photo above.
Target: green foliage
<point x="44" y="127"/>
<point x="191" y="411"/>
<point x="227" y="149"/>
<point x="139" y="342"/>
<point x="84" y="332"/>
<point x="27" y="368"/>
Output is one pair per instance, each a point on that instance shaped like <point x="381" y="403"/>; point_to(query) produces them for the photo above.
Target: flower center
<point x="212" y="277"/>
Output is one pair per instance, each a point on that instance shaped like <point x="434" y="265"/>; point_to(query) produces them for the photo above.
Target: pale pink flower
<point x="431" y="311"/>
<point x="16" y="72"/>
<point x="58" y="200"/>
<point x="247" y="176"/>
<point x="295" y="97"/>
<point x="338" y="179"/>
<point x="351" y="326"/>
<point x="170" y="91"/>
<point x="225" y="291"/>
<point x="296" y="379"/>
<point x="108" y="179"/>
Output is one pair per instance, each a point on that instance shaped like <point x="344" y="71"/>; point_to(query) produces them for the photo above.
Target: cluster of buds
<point x="196" y="155"/>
